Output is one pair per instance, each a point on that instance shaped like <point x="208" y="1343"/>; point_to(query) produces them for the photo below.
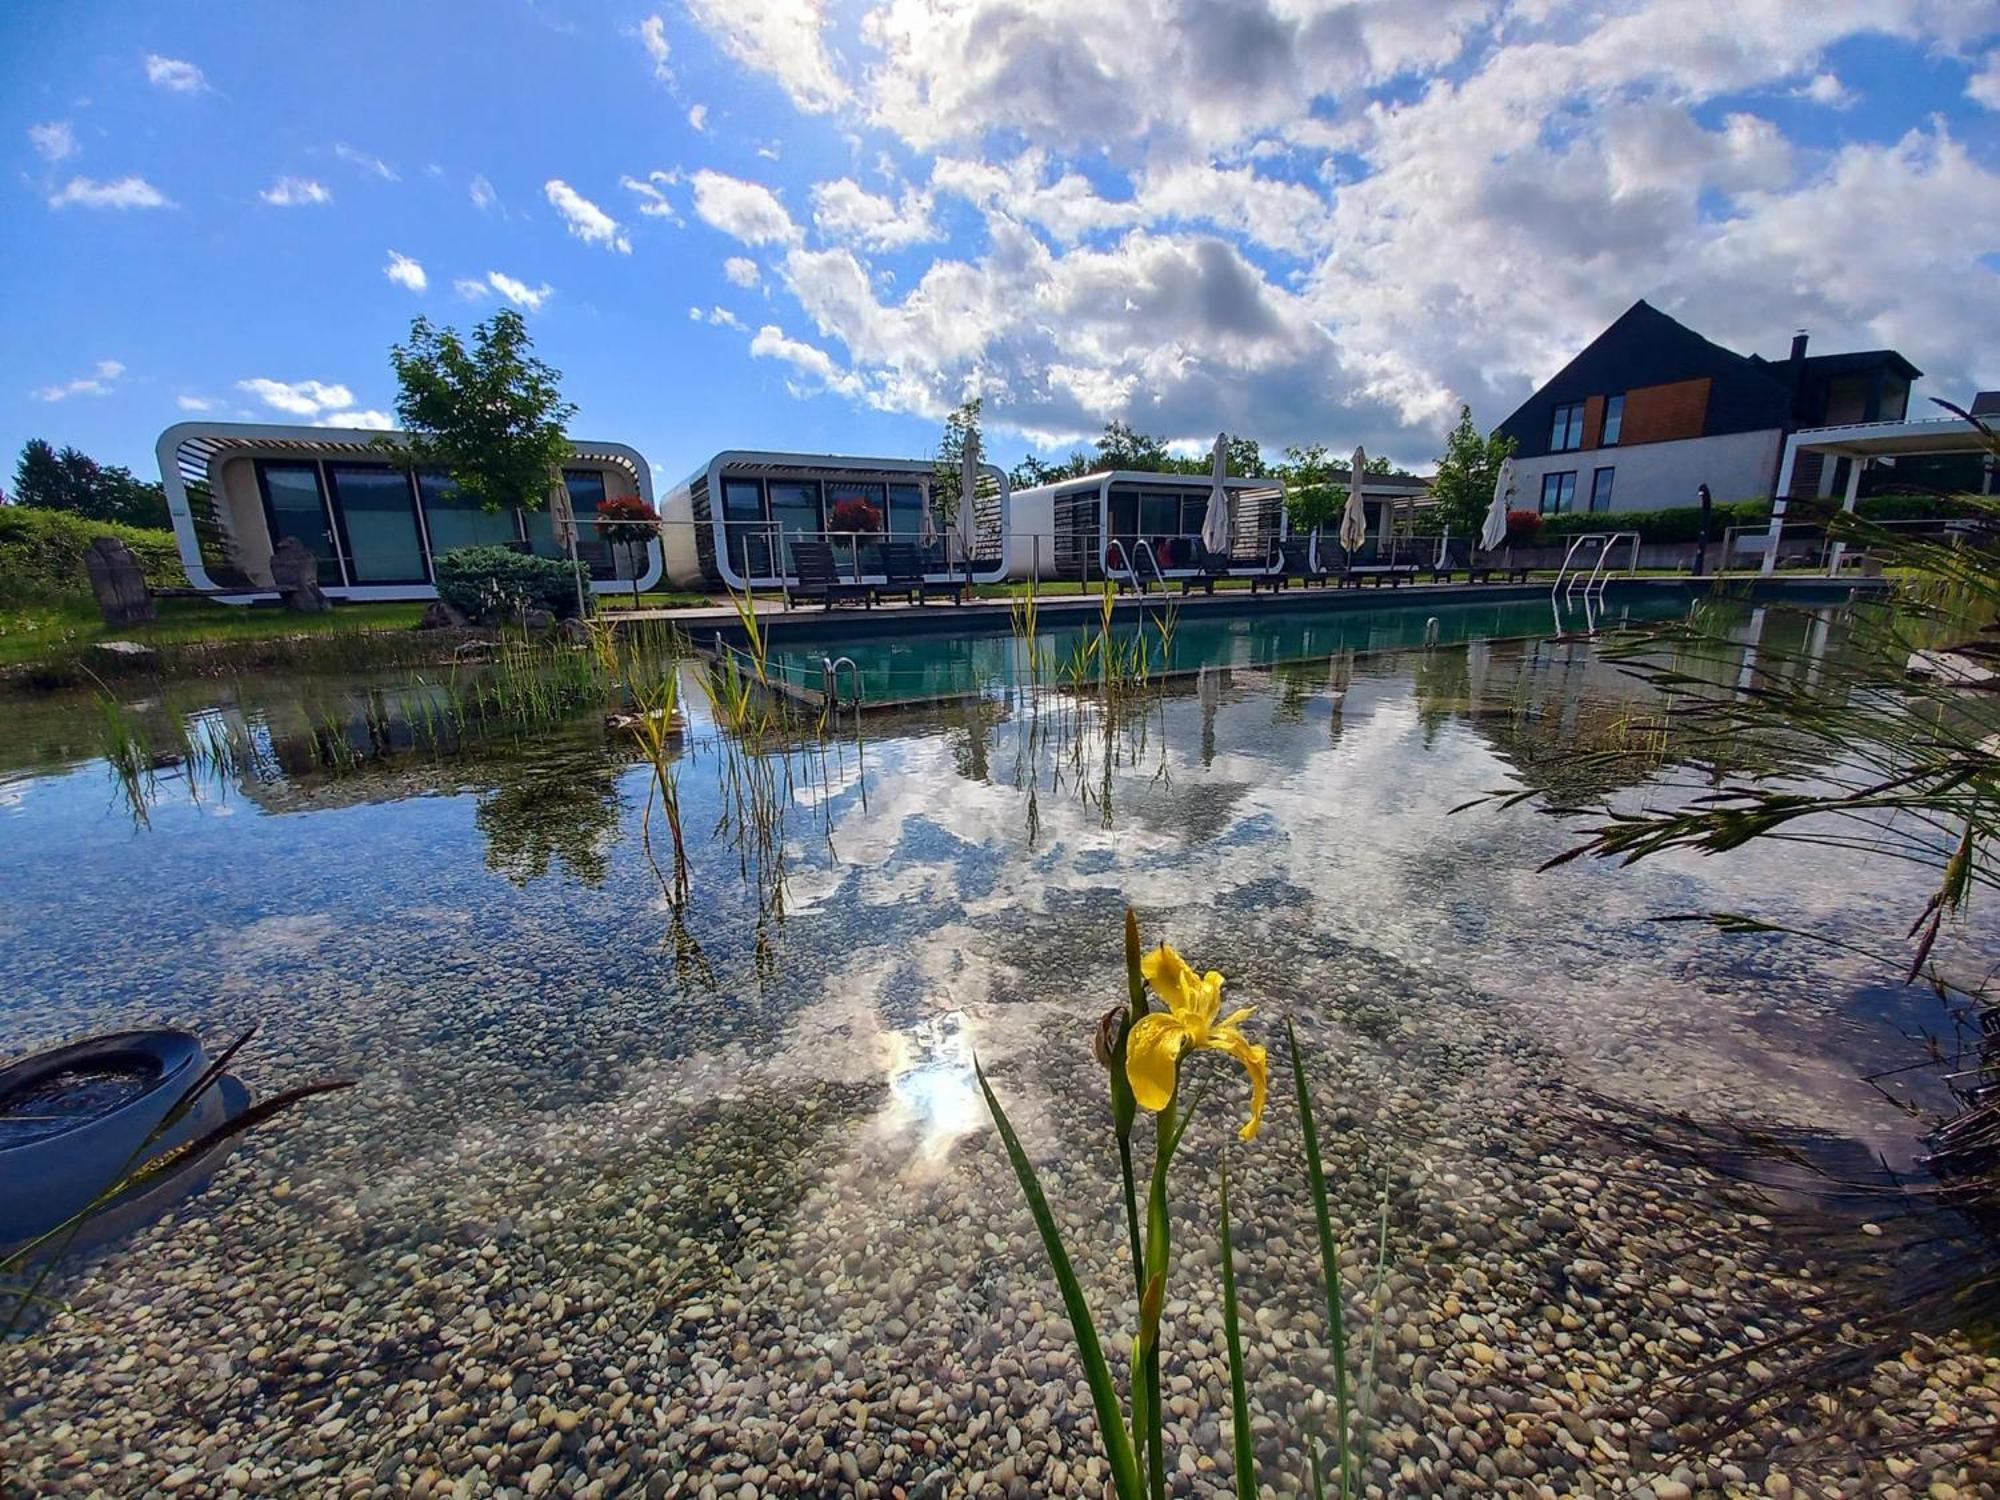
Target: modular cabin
<point x="1109" y="524"/>
<point x="732" y="523"/>
<point x="375" y="522"/>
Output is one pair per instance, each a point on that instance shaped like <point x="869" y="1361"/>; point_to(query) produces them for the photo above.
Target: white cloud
<point x="718" y="317"/>
<point x="196" y="403"/>
<point x="846" y="211"/>
<point x="698" y="116"/>
<point x="1827" y="89"/>
<point x="771" y="343"/>
<point x="172" y="74"/>
<point x="298" y="398"/>
<point x="358" y="158"/>
<point x="741" y="271"/>
<point x="519" y="292"/>
<point x="483" y="196"/>
<point x="99" y="382"/>
<point x="749" y="211"/>
<point x="471" y="288"/>
<point x="653" y="37"/>
<point x="1984" y="86"/>
<point x="586" y="220"/>
<point x="652" y="194"/>
<point x="55" y="141"/>
<point x="405" y="271"/>
<point x="785" y="38"/>
<point x="291" y="192"/>
<point x="126" y="192"/>
<point x="370" y="420"/>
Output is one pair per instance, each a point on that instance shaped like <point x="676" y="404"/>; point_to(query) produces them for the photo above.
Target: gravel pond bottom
<point x="631" y="1202"/>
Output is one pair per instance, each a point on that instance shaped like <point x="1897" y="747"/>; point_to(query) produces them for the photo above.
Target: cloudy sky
<point x="816" y="224"/>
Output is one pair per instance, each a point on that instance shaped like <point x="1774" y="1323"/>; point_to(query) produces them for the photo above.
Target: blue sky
<point x="745" y="223"/>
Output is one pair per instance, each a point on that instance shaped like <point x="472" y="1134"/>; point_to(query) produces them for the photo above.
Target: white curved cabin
<point x="376" y="524"/>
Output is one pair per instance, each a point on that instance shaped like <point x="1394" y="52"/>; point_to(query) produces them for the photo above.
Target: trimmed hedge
<point x="41" y="553"/>
<point x="492" y="584"/>
<point x="1681" y="524"/>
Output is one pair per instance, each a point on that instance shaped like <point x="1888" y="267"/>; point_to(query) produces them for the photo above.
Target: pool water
<point x="942" y="665"/>
<point x="633" y="1198"/>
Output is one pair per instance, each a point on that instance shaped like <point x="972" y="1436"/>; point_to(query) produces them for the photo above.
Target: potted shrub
<point x="860" y="517"/>
<point x="627" y="521"/>
<point x="1524" y="528"/>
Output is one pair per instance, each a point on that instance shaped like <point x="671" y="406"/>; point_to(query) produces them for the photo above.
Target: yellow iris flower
<point x="1153" y="1051"/>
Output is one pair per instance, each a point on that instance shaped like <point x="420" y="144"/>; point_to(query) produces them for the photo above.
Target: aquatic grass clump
<point x="1144" y="1048"/>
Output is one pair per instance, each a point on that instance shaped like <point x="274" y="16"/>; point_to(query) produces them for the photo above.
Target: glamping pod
<point x="734" y="521"/>
<point x="1108" y="524"/>
<point x="374" y="523"/>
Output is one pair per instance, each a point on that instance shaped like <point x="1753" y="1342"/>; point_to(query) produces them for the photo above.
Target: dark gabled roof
<point x="1646" y="347"/>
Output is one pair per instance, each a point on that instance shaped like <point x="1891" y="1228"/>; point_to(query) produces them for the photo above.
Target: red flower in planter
<point x="1523" y="527"/>
<point x="854" y="514"/>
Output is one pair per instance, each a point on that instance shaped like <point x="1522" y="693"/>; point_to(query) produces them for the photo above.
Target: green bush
<point x="1681" y="524"/>
<point x="491" y="584"/>
<point x="1912" y="507"/>
<point x="41" y="554"/>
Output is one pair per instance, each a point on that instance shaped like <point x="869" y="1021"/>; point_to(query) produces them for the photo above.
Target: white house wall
<point x="1662" y="476"/>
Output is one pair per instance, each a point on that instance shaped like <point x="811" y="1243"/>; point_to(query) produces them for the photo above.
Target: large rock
<point x="439" y="615"/>
<point x="118" y="582"/>
<point x="295" y="574"/>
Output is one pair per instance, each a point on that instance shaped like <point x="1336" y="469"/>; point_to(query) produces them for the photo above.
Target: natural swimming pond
<point x="706" y="1202"/>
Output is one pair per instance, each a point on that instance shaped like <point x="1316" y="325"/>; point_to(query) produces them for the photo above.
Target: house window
<point x="1558" y="493"/>
<point x="1600" y="489"/>
<point x="1566" y="431"/>
<point x="1614" y="420"/>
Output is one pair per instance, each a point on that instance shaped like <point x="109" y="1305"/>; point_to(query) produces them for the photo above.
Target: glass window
<point x="1600" y="489"/>
<point x="795" y="507"/>
<point x="906" y="510"/>
<point x="1159" y="516"/>
<point x="1614" y="420"/>
<point x="1566" y="430"/>
<point x="743" y="522"/>
<point x="293" y="507"/>
<point x="850" y="552"/>
<point x="455" y="519"/>
<point x="593" y="549"/>
<point x="1558" y="493"/>
<point x="378" y="519"/>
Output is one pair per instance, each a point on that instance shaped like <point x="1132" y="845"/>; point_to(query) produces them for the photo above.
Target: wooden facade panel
<point x="1593" y="421"/>
<point x="1659" y="413"/>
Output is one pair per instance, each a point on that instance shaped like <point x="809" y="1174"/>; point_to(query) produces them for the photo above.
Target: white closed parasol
<point x="1494" y="532"/>
<point x="967" y="520"/>
<point x="1215" y="521"/>
<point x="1354" y="520"/>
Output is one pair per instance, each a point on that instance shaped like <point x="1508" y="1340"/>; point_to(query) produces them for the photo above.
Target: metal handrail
<point x="1606" y="540"/>
<point x="830" y="668"/>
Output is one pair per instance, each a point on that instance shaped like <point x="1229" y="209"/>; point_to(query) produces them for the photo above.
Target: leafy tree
<point x="947" y="470"/>
<point x="491" y="416"/>
<point x="1245" y="460"/>
<point x="1031" y="471"/>
<point x="1123" y="447"/>
<point x="1463" y="485"/>
<point x="71" y="480"/>
<point x="1312" y="499"/>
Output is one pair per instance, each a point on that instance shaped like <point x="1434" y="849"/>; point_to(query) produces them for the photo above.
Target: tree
<point x="629" y="522"/>
<point x="491" y="416"/>
<point x="1245" y="458"/>
<point x="74" y="481"/>
<point x="1312" y="499"/>
<point x="1123" y="447"/>
<point x="1031" y="471"/>
<point x="947" y="470"/>
<point x="1463" y="485"/>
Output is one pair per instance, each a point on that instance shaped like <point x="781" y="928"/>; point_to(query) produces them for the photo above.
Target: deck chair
<point x="903" y="569"/>
<point x="819" y="578"/>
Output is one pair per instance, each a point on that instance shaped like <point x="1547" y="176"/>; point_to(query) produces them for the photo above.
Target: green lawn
<point x="40" y="632"/>
<point x="655" y="599"/>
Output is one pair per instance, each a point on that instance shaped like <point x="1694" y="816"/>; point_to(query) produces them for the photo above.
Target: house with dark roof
<point x="1650" y="411"/>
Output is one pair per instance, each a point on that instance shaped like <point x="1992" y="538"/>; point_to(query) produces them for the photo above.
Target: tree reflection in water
<point x="540" y="815"/>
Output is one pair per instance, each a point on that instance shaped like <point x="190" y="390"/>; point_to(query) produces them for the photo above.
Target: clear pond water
<point x="637" y="1200"/>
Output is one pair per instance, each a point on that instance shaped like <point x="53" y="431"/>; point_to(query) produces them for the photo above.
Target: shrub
<point x="41" y="553"/>
<point x="1524" y="528"/>
<point x="494" y="584"/>
<point x="1681" y="524"/>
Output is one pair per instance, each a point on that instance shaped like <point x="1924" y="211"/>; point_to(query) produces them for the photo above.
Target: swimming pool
<point x="945" y="663"/>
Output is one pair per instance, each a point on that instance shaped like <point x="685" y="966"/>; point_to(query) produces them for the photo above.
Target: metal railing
<point x="1607" y="542"/>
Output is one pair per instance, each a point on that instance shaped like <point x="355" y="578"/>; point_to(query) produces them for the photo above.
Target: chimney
<point x="1799" y="345"/>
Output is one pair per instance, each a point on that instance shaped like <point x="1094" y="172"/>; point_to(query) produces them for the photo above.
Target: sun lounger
<point x="903" y="568"/>
<point x="1209" y="566"/>
<point x="820" y="580"/>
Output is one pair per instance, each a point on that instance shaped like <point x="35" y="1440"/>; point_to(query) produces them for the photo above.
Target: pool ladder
<point x="1599" y="580"/>
<point x="1130" y="568"/>
<point x="830" y="677"/>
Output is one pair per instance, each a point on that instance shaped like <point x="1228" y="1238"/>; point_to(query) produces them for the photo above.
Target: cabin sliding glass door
<point x="377" y="511"/>
<point x="295" y="510"/>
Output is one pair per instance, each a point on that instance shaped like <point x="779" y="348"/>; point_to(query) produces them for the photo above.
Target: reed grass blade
<point x="1239" y="1392"/>
<point x="1329" y="1259"/>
